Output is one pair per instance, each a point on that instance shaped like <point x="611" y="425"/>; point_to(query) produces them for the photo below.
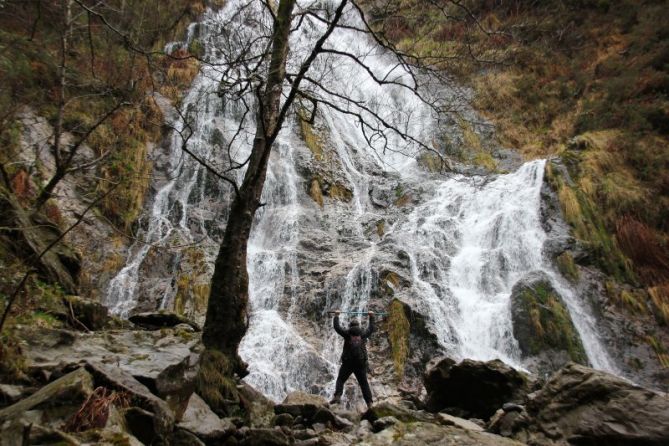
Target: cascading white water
<point x="468" y="239"/>
<point x="468" y="246"/>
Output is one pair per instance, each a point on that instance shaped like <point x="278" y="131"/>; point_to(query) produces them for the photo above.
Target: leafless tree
<point x="261" y="73"/>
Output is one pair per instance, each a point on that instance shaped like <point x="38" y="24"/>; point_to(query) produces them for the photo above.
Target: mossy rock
<point x="541" y="321"/>
<point x="216" y="385"/>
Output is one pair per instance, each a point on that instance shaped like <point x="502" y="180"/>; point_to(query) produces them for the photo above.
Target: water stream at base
<point x="468" y="239"/>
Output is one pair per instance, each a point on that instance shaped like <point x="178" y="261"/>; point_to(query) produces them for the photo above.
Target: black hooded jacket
<point x="353" y="331"/>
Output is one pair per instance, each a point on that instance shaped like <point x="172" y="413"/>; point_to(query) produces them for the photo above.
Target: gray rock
<point x="259" y="409"/>
<point x="304" y="434"/>
<point x="308" y="442"/>
<point x="176" y="384"/>
<point x="421" y="433"/>
<point x="506" y="423"/>
<point x="511" y="407"/>
<point x="70" y="390"/>
<point x="264" y="437"/>
<point x="161" y="319"/>
<point x="141" y="424"/>
<point x="449" y="420"/>
<point x="200" y="420"/>
<point x="579" y="405"/>
<point x="141" y="353"/>
<point x="384" y="422"/>
<point x="364" y="428"/>
<point x="184" y="327"/>
<point x="20" y="433"/>
<point x="300" y="403"/>
<point x="113" y="377"/>
<point x="10" y="394"/>
<point x="93" y="315"/>
<point x="284" y="419"/>
<point x="476" y="388"/>
<point x="403" y="414"/>
<point x="324" y="416"/>
<point x="342" y="423"/>
<point x="181" y="437"/>
<point x="319" y="427"/>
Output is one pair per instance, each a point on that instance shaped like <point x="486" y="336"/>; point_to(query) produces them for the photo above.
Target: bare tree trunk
<point x="227" y="314"/>
<point x="46" y="193"/>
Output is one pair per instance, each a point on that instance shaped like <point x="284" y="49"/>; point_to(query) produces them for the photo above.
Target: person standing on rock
<point x="353" y="357"/>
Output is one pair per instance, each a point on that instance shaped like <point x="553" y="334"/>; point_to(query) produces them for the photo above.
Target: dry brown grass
<point x="22" y="185"/>
<point x="398" y="333"/>
<point x="214" y="382"/>
<point x="94" y="412"/>
<point x="641" y="244"/>
<point x="659" y="296"/>
<point x="180" y="70"/>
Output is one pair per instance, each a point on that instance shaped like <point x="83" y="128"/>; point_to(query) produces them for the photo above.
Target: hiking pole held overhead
<point x="359" y="312"/>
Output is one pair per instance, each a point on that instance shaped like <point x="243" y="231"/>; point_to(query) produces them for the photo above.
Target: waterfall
<point x="468" y="239"/>
<point x="468" y="246"/>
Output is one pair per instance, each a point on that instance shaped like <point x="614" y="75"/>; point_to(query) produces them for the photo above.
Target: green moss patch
<point x="215" y="383"/>
<point x="541" y="322"/>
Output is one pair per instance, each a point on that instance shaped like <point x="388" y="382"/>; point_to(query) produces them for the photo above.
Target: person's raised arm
<point x="370" y="327"/>
<point x="337" y="327"/>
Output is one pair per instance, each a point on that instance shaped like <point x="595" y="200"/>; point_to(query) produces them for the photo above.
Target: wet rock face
<point x="473" y="389"/>
<point x="579" y="405"/>
<point x="92" y="252"/>
<point x="624" y="333"/>
<point x="542" y="324"/>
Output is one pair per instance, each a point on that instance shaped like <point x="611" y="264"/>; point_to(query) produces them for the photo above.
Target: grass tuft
<point x="659" y="296"/>
<point x="398" y="332"/>
<point x="215" y="382"/>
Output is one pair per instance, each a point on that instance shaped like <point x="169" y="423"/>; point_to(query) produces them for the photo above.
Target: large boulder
<point x="201" y="421"/>
<point x="92" y="315"/>
<point x="176" y="384"/>
<point x="473" y="389"/>
<point x="62" y="396"/>
<point x="115" y="378"/>
<point x="161" y="319"/>
<point x="579" y="405"/>
<point x="542" y="325"/>
<point x="301" y="404"/>
<point x="263" y="437"/>
<point x="386" y="409"/>
<point x="142" y="354"/>
<point x="420" y="433"/>
<point x="258" y="408"/>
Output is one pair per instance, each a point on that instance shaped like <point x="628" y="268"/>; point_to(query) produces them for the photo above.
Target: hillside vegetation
<point x="585" y="80"/>
<point x="90" y="69"/>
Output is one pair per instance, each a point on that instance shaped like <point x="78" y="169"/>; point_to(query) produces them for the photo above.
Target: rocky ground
<point x="132" y="383"/>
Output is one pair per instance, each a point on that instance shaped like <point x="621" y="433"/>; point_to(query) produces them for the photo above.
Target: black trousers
<point x="360" y="373"/>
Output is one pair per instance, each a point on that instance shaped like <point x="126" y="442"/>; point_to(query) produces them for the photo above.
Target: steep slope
<point x="585" y="81"/>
